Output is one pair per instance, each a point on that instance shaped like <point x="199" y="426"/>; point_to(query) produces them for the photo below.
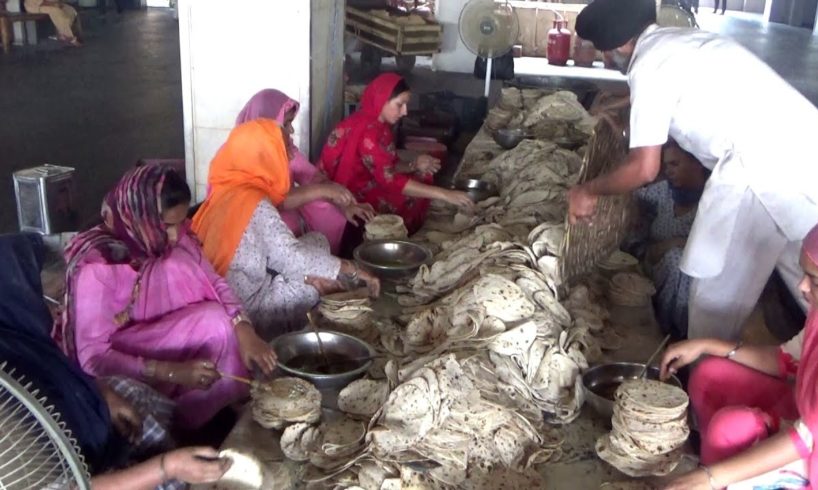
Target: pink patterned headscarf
<point x="268" y="104"/>
<point x="132" y="233"/>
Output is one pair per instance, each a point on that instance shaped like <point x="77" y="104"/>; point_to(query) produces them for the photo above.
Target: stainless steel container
<point x="45" y="199"/>
<point x="611" y="375"/>
<point x="291" y="345"/>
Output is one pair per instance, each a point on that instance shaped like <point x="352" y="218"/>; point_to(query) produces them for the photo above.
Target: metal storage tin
<point x="45" y="199"/>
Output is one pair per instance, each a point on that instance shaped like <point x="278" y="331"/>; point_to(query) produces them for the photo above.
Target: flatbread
<point x="245" y="472"/>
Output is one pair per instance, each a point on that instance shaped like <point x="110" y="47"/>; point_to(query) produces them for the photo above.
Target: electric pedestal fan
<point x="489" y="29"/>
<point x="35" y="449"/>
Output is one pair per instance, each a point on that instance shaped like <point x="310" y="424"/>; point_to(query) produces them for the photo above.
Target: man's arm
<point x="641" y="166"/>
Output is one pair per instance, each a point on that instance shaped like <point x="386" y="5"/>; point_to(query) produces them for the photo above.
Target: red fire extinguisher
<point x="559" y="43"/>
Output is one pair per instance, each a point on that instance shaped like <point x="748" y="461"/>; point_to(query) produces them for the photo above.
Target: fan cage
<point x="36" y="448"/>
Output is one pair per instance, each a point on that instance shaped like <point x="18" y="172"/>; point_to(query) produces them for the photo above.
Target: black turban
<point x="610" y="24"/>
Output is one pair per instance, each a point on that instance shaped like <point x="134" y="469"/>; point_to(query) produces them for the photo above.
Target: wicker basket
<point x="587" y="243"/>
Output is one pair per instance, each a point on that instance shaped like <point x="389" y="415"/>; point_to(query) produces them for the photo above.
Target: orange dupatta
<point x="251" y="165"/>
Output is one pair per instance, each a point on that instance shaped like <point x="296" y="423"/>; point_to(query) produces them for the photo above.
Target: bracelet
<point x="732" y="353"/>
<point x="710" y="479"/>
<point x="239" y="318"/>
<point x="150" y="369"/>
<point x="162" y="472"/>
<point x="354" y="276"/>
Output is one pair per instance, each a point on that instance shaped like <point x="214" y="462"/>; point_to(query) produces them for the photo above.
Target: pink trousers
<point x="320" y="216"/>
<point x="736" y="406"/>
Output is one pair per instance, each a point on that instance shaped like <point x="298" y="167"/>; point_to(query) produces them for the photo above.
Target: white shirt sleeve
<point x="654" y="95"/>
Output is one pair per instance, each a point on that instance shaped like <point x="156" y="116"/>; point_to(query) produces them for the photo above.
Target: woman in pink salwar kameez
<point x="142" y="301"/>
<point x="317" y="203"/>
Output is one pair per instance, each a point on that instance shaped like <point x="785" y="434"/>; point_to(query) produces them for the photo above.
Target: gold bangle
<point x="239" y="318"/>
<point x="150" y="369"/>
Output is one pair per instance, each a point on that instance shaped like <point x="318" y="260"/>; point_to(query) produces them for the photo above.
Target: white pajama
<point x="720" y="305"/>
<point x="762" y="196"/>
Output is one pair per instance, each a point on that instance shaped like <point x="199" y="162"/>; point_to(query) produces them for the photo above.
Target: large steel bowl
<point x="604" y="376"/>
<point x="509" y="138"/>
<point x="296" y="344"/>
<point x="478" y="190"/>
<point x="392" y="259"/>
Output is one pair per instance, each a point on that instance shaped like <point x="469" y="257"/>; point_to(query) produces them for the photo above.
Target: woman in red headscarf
<point x="360" y="155"/>
<point x="756" y="406"/>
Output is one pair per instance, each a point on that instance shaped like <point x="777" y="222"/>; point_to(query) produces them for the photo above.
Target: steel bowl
<point x="392" y="259"/>
<point x="604" y="376"/>
<point x="292" y="345"/>
<point x="509" y="138"/>
<point x="478" y="190"/>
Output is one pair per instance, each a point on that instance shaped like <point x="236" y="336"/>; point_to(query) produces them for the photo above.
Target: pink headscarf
<point x="806" y="383"/>
<point x="269" y="104"/>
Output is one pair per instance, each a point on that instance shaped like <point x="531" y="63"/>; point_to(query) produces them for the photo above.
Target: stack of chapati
<point x="385" y="227"/>
<point x="284" y="401"/>
<point x="351" y="313"/>
<point x="649" y="427"/>
<point x="618" y="261"/>
<point x="630" y="289"/>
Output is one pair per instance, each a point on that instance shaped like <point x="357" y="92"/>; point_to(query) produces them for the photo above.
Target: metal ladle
<point x="653" y="356"/>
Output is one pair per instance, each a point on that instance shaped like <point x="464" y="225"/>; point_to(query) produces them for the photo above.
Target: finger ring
<point x="203" y="380"/>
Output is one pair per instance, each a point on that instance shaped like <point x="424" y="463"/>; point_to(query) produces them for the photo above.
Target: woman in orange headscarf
<point x="360" y="154"/>
<point x="277" y="276"/>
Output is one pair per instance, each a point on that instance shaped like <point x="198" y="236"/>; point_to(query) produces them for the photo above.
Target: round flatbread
<point x="363" y="397"/>
<point x="245" y="472"/>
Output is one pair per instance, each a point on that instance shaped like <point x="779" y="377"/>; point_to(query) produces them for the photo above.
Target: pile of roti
<point x="385" y="227"/>
<point x="649" y="428"/>
<point x="350" y="312"/>
<point x="630" y="289"/>
<point x="285" y="401"/>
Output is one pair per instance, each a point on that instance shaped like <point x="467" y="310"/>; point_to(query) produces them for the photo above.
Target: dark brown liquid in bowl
<point x="606" y="390"/>
<point x="315" y="364"/>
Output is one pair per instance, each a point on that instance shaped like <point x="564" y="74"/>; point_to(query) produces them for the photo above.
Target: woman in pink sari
<point x="142" y="301"/>
<point x="756" y="406"/>
<point x="317" y="203"/>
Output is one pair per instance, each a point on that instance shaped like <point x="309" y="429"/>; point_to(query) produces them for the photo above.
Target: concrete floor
<point x="101" y="107"/>
<point x="98" y="108"/>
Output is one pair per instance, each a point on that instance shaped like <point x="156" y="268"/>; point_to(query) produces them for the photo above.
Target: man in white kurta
<point x="756" y="133"/>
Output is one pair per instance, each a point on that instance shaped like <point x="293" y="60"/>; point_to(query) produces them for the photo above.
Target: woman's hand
<point x="457" y="198"/>
<point x="373" y="284"/>
<point x="427" y="165"/>
<point x="195" y="465"/>
<point x="199" y="374"/>
<point x="125" y="418"/>
<point x="681" y="354"/>
<point x="255" y="351"/>
<point x="695" y="480"/>
<point x="336" y="194"/>
<point x="359" y="211"/>
<point x="323" y="285"/>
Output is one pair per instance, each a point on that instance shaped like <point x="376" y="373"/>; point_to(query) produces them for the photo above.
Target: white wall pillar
<point x="231" y="50"/>
<point x="454" y="55"/>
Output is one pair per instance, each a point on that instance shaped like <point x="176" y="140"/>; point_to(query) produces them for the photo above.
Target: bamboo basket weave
<point x="587" y="243"/>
